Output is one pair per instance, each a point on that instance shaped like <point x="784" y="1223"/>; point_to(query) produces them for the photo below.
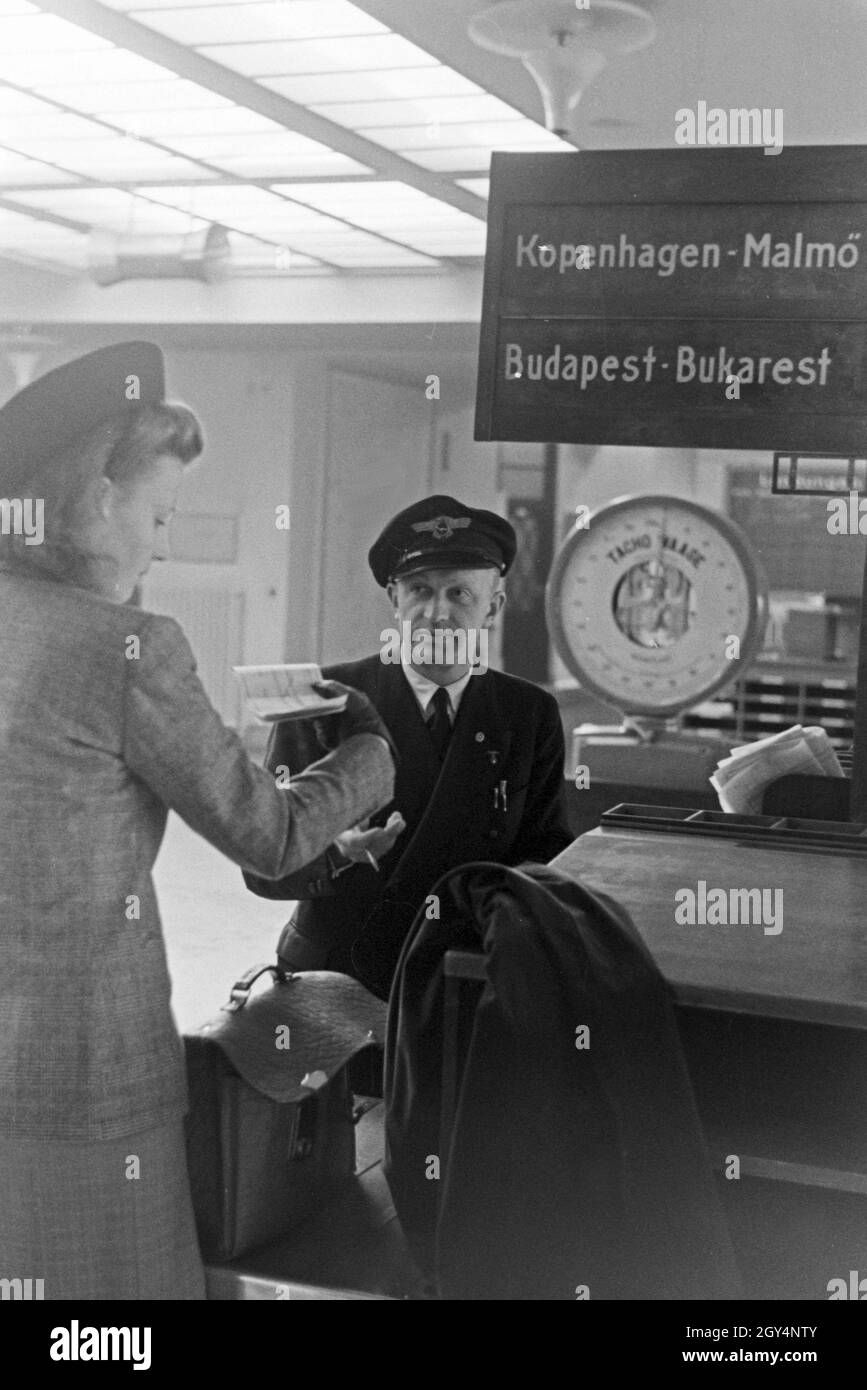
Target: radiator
<point x="213" y="623"/>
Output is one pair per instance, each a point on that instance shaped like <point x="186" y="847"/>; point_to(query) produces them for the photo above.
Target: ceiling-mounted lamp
<point x="201" y="255"/>
<point x="562" y="44"/>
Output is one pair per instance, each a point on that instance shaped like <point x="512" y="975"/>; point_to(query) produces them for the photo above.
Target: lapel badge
<point x="480" y="738"/>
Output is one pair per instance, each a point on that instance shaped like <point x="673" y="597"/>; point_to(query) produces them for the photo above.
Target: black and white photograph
<point x="433" y="671"/>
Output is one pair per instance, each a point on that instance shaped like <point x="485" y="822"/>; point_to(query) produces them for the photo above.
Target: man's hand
<point x="356" y="844"/>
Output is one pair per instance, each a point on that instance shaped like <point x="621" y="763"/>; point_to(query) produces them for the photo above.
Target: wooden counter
<point x="815" y="970"/>
<point x="774" y="1029"/>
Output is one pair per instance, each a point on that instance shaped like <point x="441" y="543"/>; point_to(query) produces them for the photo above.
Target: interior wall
<point x="245" y="401"/>
<point x="596" y="474"/>
<point x="466" y="469"/>
<point x="439" y="455"/>
<point x="593" y="475"/>
<point x="378" y="450"/>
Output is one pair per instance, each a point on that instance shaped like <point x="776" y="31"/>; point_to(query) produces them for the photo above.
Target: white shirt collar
<point x="424" y="689"/>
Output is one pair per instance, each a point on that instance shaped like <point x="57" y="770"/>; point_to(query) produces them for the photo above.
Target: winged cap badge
<point x="442" y="528"/>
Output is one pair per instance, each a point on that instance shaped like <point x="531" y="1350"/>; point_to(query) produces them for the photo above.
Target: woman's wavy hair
<point x="121" y="449"/>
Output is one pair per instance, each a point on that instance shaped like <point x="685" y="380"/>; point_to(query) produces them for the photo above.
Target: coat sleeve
<point x="286" y="748"/>
<point x="544" y="830"/>
<point x="176" y="743"/>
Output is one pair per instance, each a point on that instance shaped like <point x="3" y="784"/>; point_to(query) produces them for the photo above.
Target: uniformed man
<point x="480" y="754"/>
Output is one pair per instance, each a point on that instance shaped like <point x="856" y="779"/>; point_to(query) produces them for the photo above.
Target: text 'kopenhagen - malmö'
<point x="755" y="250"/>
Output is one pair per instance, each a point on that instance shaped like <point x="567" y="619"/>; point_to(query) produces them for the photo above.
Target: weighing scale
<point x="654" y="602"/>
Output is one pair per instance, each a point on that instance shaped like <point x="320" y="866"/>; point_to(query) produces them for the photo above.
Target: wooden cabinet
<point x="774" y="695"/>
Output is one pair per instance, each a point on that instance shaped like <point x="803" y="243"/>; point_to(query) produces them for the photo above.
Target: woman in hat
<point x="104" y="726"/>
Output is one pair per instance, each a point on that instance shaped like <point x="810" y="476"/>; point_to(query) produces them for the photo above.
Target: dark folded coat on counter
<point x="570" y="1167"/>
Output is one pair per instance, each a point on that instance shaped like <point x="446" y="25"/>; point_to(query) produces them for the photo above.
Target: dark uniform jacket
<point x="574" y="1165"/>
<point x="508" y="732"/>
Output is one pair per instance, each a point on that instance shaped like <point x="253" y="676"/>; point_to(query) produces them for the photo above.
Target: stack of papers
<point x="740" y="779"/>
<point x="285" y="692"/>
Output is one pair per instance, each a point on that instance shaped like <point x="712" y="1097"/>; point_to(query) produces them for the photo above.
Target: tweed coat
<point x="498" y="795"/>
<point x="104" y="726"/>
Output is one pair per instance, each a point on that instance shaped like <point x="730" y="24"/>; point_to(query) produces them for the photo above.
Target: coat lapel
<point x="419" y="767"/>
<point x="477" y="750"/>
<point x="450" y="829"/>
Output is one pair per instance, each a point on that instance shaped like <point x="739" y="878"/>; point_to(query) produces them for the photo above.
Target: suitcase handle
<point x="240" y="991"/>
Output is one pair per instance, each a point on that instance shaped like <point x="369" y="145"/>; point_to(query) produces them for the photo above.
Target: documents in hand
<point x="740" y="779"/>
<point x="286" y="692"/>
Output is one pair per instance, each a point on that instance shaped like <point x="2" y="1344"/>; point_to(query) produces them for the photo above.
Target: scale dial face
<point x="645" y="597"/>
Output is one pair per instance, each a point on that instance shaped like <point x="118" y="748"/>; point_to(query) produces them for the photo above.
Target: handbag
<point x="270" y="1128"/>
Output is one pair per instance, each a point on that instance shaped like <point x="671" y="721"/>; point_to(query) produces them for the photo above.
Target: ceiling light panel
<point x="249" y="253"/>
<point x="257" y="166"/>
<point x="446" y="157"/>
<point x="399" y="212"/>
<point x="391" y="84"/>
<point x="368" y="253"/>
<point x="111" y="158"/>
<point x="14" y="103"/>
<point x="17" y="169"/>
<point x="111" y="209"/>
<point x="362" y="54"/>
<point x="214" y="121"/>
<point x="45" y="33"/>
<point x="328" y="55"/>
<point x="90" y="65"/>
<point x="270" y="153"/>
<point x="332" y="57"/>
<point x="506" y="135"/>
<point x="420" y="111"/>
<point x="51" y="127"/>
<point x="252" y="210"/>
<point x="255" y="210"/>
<point x="259" y="23"/>
<point x="495" y="135"/>
<point x="127" y="6"/>
<point x="377" y="197"/>
<point x="101" y="98"/>
<point x="214" y="201"/>
<point x="42" y="240"/>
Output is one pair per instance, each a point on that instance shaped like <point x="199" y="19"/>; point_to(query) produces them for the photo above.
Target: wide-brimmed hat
<point x="47" y="416"/>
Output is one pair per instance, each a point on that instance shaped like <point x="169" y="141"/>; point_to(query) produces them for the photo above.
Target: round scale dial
<point x="645" y="598"/>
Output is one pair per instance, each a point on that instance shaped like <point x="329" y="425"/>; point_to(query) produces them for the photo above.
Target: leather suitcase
<point x="270" y="1133"/>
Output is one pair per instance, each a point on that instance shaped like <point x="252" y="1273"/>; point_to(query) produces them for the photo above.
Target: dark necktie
<point x="438" y="723"/>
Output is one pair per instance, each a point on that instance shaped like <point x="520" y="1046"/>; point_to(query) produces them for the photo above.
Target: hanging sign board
<point x="703" y="298"/>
